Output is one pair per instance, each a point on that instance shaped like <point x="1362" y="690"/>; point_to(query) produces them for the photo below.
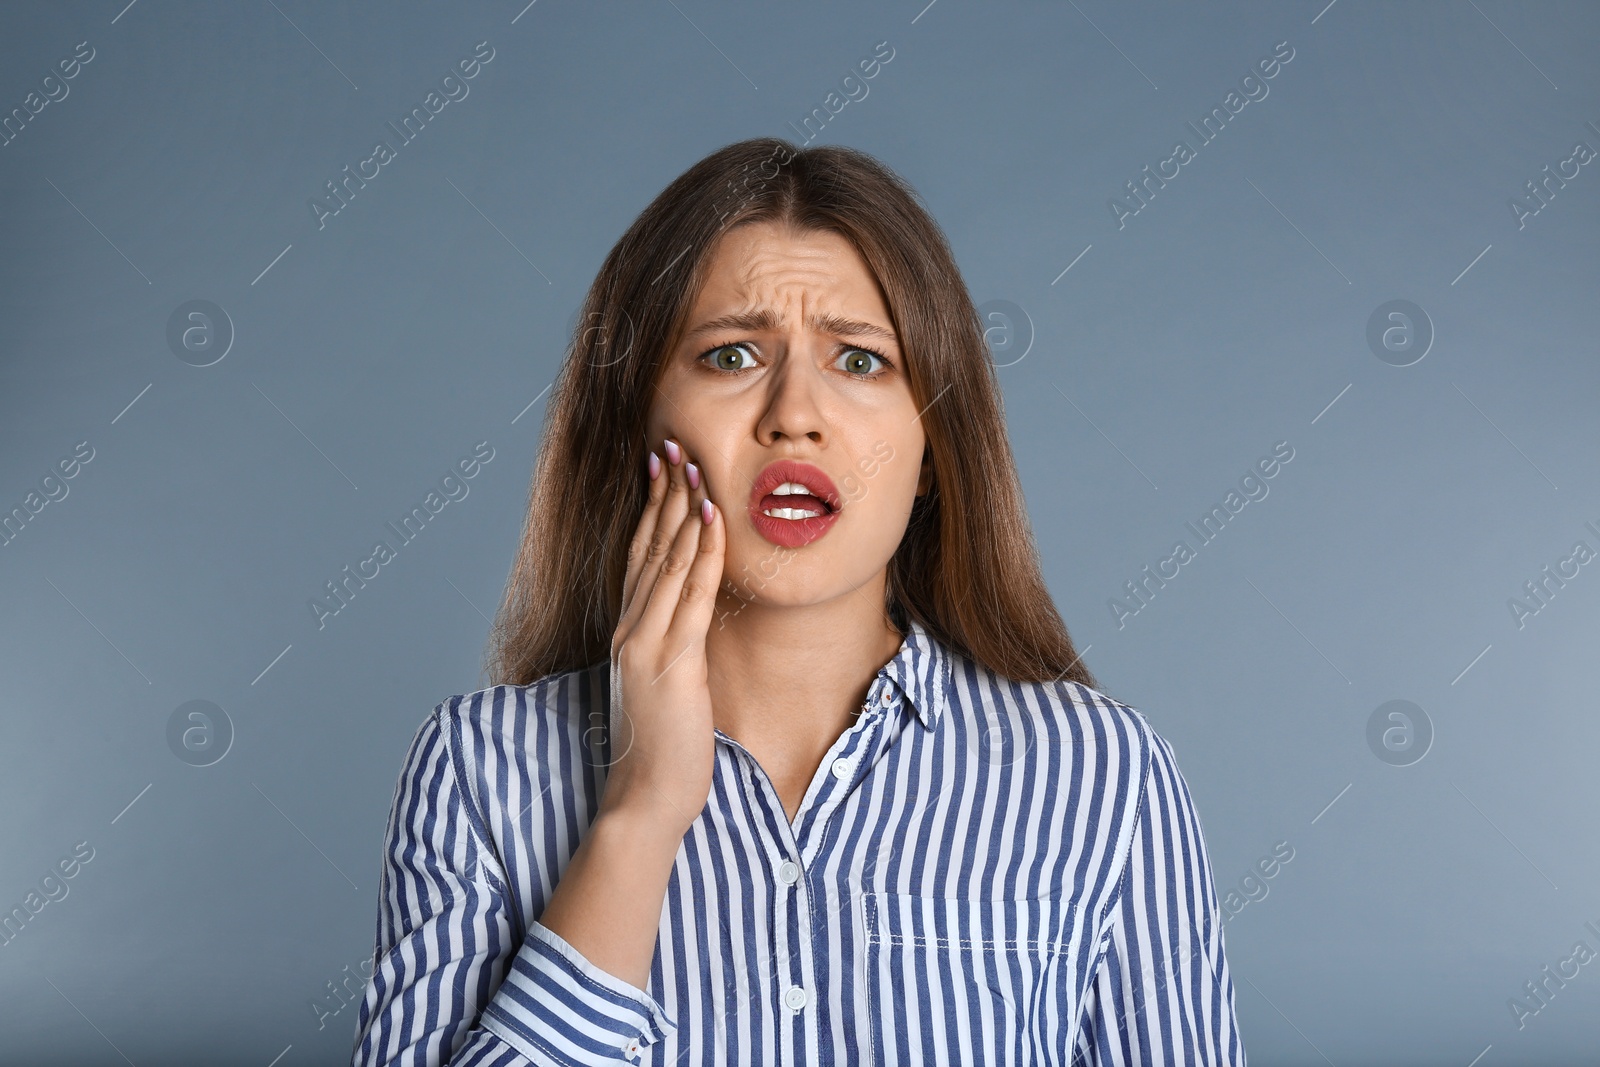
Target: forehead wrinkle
<point x="769" y="281"/>
<point x="767" y="320"/>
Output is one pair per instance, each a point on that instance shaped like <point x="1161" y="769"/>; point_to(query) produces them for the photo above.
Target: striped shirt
<point x="981" y="871"/>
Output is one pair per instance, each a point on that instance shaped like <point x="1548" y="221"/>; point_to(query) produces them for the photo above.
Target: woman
<point x="792" y="759"/>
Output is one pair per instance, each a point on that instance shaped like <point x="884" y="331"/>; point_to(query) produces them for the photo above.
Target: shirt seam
<point x="1147" y="763"/>
<point x="477" y="827"/>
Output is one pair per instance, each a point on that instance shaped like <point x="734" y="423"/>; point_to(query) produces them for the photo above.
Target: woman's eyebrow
<point x="767" y="320"/>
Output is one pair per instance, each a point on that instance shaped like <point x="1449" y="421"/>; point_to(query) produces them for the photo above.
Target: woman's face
<point x="790" y="355"/>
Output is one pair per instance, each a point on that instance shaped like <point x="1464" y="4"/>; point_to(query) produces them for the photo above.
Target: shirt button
<point x="789" y="872"/>
<point x="888" y="695"/>
<point x="795" y="997"/>
<point x="841" y="767"/>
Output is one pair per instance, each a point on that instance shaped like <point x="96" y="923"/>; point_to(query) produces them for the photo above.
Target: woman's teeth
<point x="794" y="489"/>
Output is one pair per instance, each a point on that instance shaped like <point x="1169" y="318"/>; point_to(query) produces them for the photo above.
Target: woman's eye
<point x="726" y="357"/>
<point x="859" y="360"/>
<point x="731" y="358"/>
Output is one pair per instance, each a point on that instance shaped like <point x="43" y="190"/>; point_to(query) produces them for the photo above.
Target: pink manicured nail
<point x="674" y="453"/>
<point x="694" y="476"/>
<point x="655" y="466"/>
<point x="706" y="510"/>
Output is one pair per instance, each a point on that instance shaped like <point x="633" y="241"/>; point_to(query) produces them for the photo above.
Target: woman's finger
<point x="697" y="598"/>
<point x="640" y="544"/>
<point x="673" y="570"/>
<point x="669" y="517"/>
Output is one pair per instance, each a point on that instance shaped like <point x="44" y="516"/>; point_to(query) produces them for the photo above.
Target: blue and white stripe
<point x="982" y="871"/>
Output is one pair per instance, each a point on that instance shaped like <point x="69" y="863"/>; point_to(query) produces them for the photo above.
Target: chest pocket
<point x="970" y="981"/>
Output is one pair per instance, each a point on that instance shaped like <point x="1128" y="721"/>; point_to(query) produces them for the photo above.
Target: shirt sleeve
<point x="452" y="984"/>
<point x="1161" y="993"/>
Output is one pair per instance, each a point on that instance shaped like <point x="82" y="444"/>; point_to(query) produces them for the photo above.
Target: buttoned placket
<point x="840" y="770"/>
<point x="793" y="848"/>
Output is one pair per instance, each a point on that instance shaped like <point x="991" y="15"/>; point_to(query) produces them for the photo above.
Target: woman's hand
<point x="662" y="746"/>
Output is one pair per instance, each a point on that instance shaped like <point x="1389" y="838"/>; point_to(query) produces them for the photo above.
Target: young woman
<point x="791" y="759"/>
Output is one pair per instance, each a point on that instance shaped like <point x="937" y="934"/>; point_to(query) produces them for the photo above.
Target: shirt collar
<point x="922" y="670"/>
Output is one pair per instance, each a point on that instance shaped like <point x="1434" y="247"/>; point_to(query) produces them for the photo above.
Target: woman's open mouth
<point x="793" y="504"/>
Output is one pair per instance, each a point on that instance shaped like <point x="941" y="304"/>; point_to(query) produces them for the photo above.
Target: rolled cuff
<point x="556" y="1007"/>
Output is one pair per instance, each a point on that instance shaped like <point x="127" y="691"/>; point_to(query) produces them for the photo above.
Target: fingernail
<point x="706" y="510"/>
<point x="674" y="453"/>
<point x="655" y="465"/>
<point x="694" y="476"/>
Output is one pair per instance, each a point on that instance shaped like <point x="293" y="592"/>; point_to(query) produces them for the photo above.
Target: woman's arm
<point x="1162" y="993"/>
<point x="608" y="903"/>
<point x="452" y="984"/>
<point x="572" y="992"/>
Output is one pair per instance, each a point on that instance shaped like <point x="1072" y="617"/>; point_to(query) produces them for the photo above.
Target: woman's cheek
<point x="852" y="489"/>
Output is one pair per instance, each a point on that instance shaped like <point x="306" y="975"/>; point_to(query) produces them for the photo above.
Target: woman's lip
<point x="792" y="533"/>
<point x="789" y="470"/>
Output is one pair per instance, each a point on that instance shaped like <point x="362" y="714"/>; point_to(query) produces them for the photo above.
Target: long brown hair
<point x="967" y="568"/>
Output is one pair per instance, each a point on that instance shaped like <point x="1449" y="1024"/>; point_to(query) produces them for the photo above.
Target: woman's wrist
<point x="641" y="825"/>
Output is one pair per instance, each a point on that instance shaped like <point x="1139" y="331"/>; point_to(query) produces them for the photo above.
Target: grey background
<point x="1229" y="314"/>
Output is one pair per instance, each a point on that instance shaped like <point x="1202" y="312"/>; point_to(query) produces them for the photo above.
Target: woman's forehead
<point x="766" y="277"/>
